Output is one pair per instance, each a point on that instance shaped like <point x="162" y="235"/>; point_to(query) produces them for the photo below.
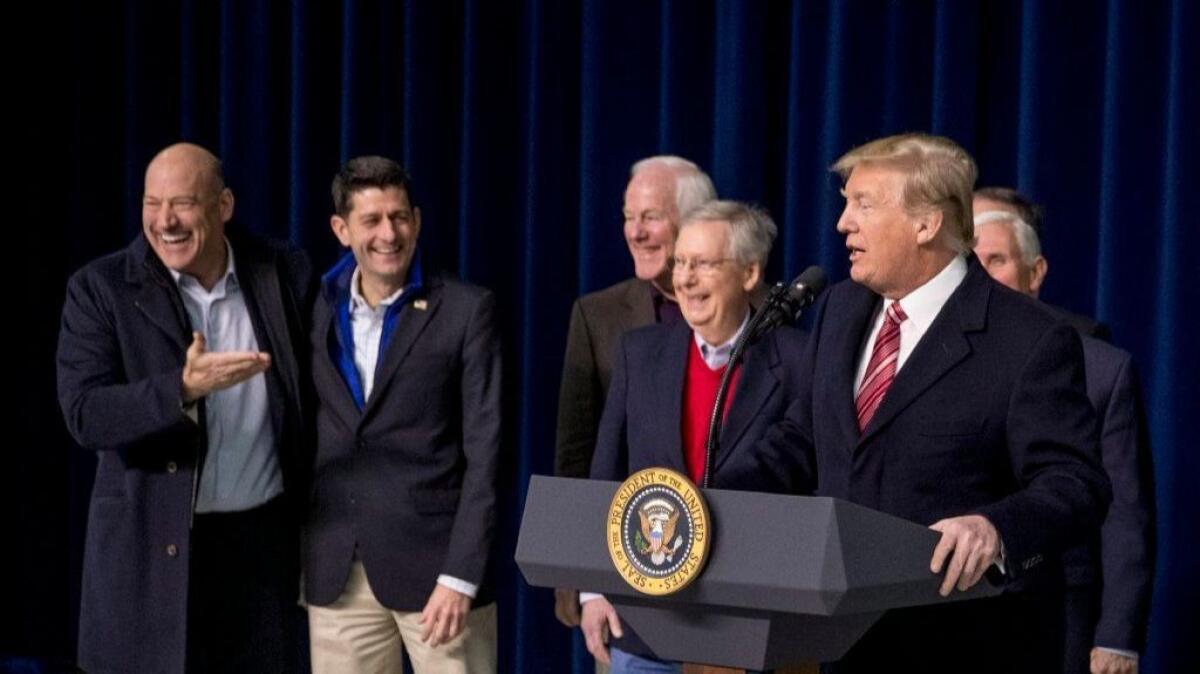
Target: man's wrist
<point x="189" y="408"/>
<point x="1119" y="651"/>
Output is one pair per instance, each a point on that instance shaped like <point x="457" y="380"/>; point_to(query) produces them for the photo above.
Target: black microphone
<point x="803" y="291"/>
<point x="785" y="303"/>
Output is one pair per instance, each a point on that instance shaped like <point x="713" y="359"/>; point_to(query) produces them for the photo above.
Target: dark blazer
<point x="988" y="416"/>
<point x="1084" y="325"/>
<point x="641" y="423"/>
<point x="121" y="350"/>
<point x="597" y="322"/>
<point x="409" y="480"/>
<point x="1119" y="586"/>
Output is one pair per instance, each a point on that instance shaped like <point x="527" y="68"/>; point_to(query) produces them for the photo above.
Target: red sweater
<point x="700" y="386"/>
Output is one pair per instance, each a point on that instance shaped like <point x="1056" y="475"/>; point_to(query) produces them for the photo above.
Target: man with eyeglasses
<point x="661" y="190"/>
<point x="717" y="265"/>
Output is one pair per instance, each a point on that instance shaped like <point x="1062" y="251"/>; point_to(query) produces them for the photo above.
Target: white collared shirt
<point x="716" y="357"/>
<point x="921" y="306"/>
<point x="241" y="469"/>
<point x="367" y="325"/>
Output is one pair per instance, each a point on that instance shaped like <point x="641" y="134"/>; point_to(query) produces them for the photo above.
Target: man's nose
<point x="167" y="217"/>
<point x="390" y="231"/>
<point x="640" y="230"/>
<point x="846" y="224"/>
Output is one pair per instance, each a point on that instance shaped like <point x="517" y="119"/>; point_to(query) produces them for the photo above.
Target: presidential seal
<point x="658" y="531"/>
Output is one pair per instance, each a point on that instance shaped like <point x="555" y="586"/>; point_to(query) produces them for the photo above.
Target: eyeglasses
<point x="703" y="267"/>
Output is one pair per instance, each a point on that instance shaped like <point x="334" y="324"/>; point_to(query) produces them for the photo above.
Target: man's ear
<point x="341" y="229"/>
<point x="1037" y="275"/>
<point x="751" y="276"/>
<point x="225" y="203"/>
<point x="928" y="226"/>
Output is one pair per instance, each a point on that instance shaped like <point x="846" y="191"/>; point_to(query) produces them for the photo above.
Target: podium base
<point x="741" y="638"/>
<point x="709" y="669"/>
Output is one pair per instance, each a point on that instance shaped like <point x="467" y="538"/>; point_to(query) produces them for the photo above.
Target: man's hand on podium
<point x="972" y="545"/>
<point x="599" y="620"/>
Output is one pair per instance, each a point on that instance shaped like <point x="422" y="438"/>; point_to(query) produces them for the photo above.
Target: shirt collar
<point x="923" y="304"/>
<point x="341" y="280"/>
<point x="227" y="282"/>
<point x="358" y="302"/>
<point x="718" y="356"/>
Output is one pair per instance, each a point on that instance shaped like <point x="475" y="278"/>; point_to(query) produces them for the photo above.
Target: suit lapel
<point x="409" y="325"/>
<point x="157" y="297"/>
<point x="325" y="325"/>
<point x="639" y="304"/>
<point x="264" y="301"/>
<point x="942" y="347"/>
<point x="850" y="334"/>
<point x="672" y="352"/>
<point x="756" y="385"/>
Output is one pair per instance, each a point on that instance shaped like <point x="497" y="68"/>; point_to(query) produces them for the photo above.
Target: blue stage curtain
<point x="519" y="121"/>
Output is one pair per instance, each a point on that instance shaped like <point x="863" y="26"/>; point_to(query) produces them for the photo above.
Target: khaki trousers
<point x="358" y="634"/>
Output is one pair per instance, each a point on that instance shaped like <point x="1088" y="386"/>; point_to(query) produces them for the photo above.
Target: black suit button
<point x="172" y="551"/>
<point x="172" y="467"/>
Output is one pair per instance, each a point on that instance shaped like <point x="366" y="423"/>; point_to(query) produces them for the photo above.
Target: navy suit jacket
<point x="121" y="351"/>
<point x="1122" y="582"/>
<point x="410" y="479"/>
<point x="641" y="424"/>
<point x="988" y="416"/>
<point x="1084" y="325"/>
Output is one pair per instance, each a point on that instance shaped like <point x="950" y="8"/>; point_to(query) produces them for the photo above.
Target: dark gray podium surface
<point x="789" y="579"/>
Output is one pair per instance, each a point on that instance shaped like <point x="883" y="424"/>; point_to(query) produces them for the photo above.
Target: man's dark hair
<point x="362" y="173"/>
<point x="1027" y="209"/>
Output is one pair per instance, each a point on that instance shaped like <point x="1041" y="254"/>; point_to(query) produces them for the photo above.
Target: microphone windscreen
<point x="810" y="282"/>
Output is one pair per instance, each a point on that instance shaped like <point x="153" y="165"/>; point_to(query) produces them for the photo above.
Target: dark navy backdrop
<point x="519" y="121"/>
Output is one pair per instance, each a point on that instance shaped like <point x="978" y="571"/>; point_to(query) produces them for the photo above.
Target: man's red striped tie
<point x="881" y="369"/>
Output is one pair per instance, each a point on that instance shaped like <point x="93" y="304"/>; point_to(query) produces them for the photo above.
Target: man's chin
<point x="179" y="261"/>
<point x="390" y="276"/>
<point x="649" y="272"/>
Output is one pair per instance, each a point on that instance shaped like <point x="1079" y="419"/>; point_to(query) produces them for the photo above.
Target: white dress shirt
<point x="241" y="469"/>
<point x="921" y="306"/>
